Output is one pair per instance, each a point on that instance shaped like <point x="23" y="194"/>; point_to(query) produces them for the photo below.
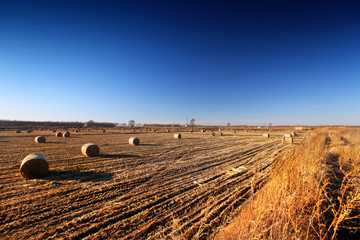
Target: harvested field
<point x="163" y="188"/>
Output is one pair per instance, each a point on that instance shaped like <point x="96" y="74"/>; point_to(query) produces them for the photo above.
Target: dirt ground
<point x="164" y="188"/>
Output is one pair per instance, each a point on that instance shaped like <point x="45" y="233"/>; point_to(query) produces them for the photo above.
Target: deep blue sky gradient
<point x="243" y="62"/>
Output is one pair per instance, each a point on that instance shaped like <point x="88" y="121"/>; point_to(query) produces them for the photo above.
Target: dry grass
<point x="312" y="193"/>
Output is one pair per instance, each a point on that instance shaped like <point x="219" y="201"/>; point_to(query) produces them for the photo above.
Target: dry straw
<point x="40" y="139"/>
<point x="66" y="134"/>
<point x="58" y="134"/>
<point x="177" y="136"/>
<point x="90" y="150"/>
<point x="34" y="165"/>
<point x="134" y="141"/>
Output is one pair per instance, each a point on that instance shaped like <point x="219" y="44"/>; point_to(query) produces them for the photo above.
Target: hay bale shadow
<point x="92" y="176"/>
<point x="117" y="156"/>
<point x="149" y="144"/>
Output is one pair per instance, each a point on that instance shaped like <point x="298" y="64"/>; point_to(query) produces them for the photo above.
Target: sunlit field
<point x="164" y="188"/>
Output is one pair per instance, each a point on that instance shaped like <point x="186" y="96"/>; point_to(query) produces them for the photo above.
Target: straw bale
<point x="66" y="134"/>
<point x="40" y="139"/>
<point x="34" y="165"/>
<point x="134" y="141"/>
<point x="58" y="134"/>
<point x="90" y="150"/>
<point x="177" y="136"/>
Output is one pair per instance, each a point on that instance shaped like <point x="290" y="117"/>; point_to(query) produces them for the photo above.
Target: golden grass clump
<point x="90" y="150"/>
<point x="177" y="136"/>
<point x="40" y="139"/>
<point x="313" y="192"/>
<point x="34" y="165"/>
<point x="134" y="141"/>
<point x="58" y="134"/>
<point x="66" y="134"/>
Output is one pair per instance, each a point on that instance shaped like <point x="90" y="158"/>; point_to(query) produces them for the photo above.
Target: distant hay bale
<point x="266" y="135"/>
<point x="221" y="134"/>
<point x="18" y="131"/>
<point x="77" y="130"/>
<point x="104" y="130"/>
<point x="58" y="134"/>
<point x="40" y="139"/>
<point x="33" y="166"/>
<point x="234" y="131"/>
<point x="288" y="135"/>
<point x="293" y="133"/>
<point x="286" y="140"/>
<point x="54" y="130"/>
<point x="29" y="131"/>
<point x="90" y="150"/>
<point x="177" y="136"/>
<point x="66" y="134"/>
<point x="168" y="130"/>
<point x="191" y="130"/>
<point x="134" y="141"/>
<point x="203" y="130"/>
<point x="212" y="133"/>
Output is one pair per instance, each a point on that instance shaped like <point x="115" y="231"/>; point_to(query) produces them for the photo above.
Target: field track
<point x="165" y="188"/>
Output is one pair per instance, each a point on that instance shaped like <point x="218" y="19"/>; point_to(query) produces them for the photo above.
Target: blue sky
<point x="243" y="62"/>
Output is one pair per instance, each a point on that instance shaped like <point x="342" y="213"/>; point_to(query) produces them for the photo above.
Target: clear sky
<point x="243" y="62"/>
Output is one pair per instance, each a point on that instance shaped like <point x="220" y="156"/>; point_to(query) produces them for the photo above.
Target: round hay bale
<point x="191" y="130"/>
<point x="34" y="165"/>
<point x="266" y="135"/>
<point x="212" y="133"/>
<point x="29" y="131"/>
<point x="77" y="130"/>
<point x="177" y="136"/>
<point x="66" y="134"/>
<point x="58" y="134"/>
<point x="18" y="131"/>
<point x="221" y="134"/>
<point x="287" y="140"/>
<point x="203" y="130"/>
<point x="40" y="139"/>
<point x="104" y="130"/>
<point x="90" y="150"/>
<point x="288" y="135"/>
<point x="134" y="141"/>
<point x="168" y="130"/>
<point x="234" y="131"/>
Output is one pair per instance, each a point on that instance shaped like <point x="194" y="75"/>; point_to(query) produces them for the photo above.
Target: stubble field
<point x="165" y="188"/>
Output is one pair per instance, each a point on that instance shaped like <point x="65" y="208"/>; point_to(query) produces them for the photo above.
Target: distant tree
<point x="131" y="123"/>
<point x="192" y="122"/>
<point x="90" y="123"/>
